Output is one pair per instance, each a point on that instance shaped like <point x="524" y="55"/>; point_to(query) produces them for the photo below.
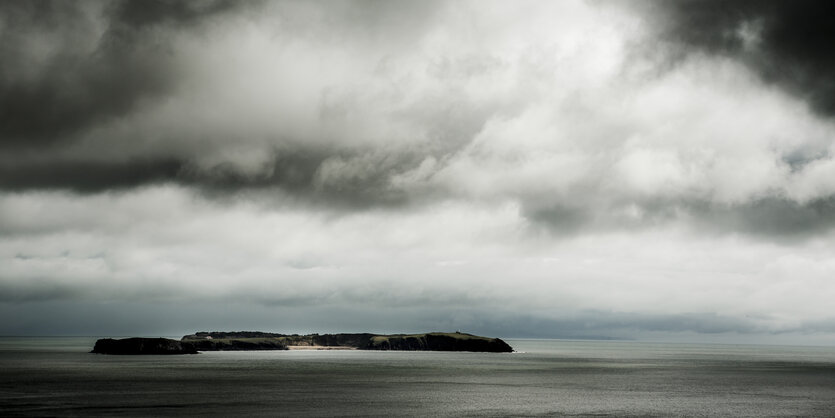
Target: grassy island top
<point x="456" y="335"/>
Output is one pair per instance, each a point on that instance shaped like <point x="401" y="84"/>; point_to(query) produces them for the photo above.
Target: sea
<point x="57" y="376"/>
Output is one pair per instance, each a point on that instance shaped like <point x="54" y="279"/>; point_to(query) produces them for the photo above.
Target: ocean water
<point x="57" y="377"/>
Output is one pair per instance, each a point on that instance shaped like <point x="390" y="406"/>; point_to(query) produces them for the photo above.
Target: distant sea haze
<point x="46" y="376"/>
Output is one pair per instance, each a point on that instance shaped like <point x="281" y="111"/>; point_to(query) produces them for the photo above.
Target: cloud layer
<point x="569" y="160"/>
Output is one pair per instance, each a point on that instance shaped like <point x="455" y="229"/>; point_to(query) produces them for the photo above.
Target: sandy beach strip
<point x="320" y="347"/>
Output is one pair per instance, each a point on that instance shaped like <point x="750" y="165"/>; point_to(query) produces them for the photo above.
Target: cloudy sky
<point x="575" y="169"/>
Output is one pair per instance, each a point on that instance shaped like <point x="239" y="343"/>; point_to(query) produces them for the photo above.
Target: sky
<point x="645" y="170"/>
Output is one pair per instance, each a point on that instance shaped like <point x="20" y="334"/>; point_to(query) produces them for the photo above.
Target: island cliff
<point x="438" y="341"/>
<point x="237" y="344"/>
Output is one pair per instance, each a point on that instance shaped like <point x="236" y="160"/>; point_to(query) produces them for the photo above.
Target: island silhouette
<point x="256" y="340"/>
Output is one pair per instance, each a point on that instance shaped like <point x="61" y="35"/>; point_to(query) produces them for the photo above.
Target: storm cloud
<point x="652" y="167"/>
<point x="71" y="66"/>
<point x="785" y="43"/>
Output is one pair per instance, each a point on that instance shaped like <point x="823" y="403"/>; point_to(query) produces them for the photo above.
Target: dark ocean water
<point x="56" y="376"/>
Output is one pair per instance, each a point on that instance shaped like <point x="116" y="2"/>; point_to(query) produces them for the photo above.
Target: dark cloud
<point x="769" y="217"/>
<point x="106" y="60"/>
<point x="70" y="65"/>
<point x="788" y="43"/>
<point x="357" y="180"/>
<point x="87" y="177"/>
<point x="339" y="178"/>
<point x="141" y="14"/>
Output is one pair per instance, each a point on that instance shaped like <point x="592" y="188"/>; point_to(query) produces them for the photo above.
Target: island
<point x="256" y="340"/>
